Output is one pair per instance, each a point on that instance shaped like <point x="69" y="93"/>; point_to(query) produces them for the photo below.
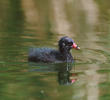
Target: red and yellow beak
<point x="75" y="46"/>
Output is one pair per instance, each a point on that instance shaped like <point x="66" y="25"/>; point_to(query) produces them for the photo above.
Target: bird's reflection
<point x="65" y="77"/>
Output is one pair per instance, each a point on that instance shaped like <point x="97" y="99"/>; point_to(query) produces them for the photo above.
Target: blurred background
<point x="38" y="23"/>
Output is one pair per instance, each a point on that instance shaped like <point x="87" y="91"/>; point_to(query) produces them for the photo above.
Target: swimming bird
<point x="49" y="55"/>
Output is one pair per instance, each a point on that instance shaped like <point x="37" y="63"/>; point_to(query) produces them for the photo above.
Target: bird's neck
<point x="65" y="52"/>
<point x="67" y="56"/>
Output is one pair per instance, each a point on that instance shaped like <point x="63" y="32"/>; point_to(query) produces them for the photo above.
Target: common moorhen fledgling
<point x="51" y="55"/>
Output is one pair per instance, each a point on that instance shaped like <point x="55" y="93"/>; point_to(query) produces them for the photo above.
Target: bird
<point x="49" y="55"/>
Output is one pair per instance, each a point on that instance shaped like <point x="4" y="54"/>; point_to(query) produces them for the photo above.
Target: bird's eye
<point x="70" y="43"/>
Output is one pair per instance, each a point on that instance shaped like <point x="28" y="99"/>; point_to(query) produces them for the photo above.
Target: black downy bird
<point x="48" y="55"/>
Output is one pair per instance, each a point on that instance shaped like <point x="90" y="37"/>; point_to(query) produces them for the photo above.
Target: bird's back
<point x="48" y="55"/>
<point x="42" y="54"/>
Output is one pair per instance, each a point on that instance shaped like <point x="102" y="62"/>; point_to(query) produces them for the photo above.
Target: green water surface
<point x="41" y="23"/>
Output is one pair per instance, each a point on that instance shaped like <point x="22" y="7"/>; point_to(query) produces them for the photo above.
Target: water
<point x="39" y="23"/>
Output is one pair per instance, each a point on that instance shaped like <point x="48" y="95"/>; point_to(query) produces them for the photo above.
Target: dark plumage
<point x="52" y="55"/>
